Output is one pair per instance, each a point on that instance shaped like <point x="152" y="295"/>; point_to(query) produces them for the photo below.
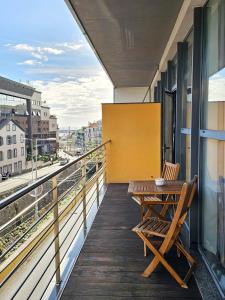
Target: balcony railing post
<point x="104" y="168"/>
<point x="84" y="194"/>
<point x="97" y="179"/>
<point x="56" y="228"/>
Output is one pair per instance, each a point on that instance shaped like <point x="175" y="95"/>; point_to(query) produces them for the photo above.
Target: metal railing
<point x="45" y="220"/>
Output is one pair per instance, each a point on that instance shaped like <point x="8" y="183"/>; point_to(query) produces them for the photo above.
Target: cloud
<point x="64" y="72"/>
<point x="75" y="102"/>
<point x="40" y="53"/>
<point x="23" y="47"/>
<point x="50" y="50"/>
<point x="30" y="62"/>
<point x="73" y="46"/>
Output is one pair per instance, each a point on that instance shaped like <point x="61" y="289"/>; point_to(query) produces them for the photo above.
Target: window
<point x="8" y="127"/>
<point x="173" y="73"/>
<point x="1" y="156"/>
<point x="14" y="139"/>
<point x="8" y="140"/>
<point x="10" y="168"/>
<point x="21" y="138"/>
<point x="20" y="166"/>
<point x="188" y="96"/>
<point x="5" y="169"/>
<point x="212" y="153"/>
<point x="187" y="110"/>
<point x="1" y="141"/>
<point x="22" y="151"/>
<point x="14" y="127"/>
<point x="15" y="167"/>
<point x="9" y="154"/>
<point x="14" y="152"/>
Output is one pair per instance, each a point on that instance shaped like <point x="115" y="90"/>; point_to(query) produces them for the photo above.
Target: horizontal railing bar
<point x="28" y="215"/>
<point x="27" y="231"/>
<point x="65" y="179"/>
<point x="78" y="182"/>
<point x="31" y="271"/>
<point x="39" y="240"/>
<point x="60" y="259"/>
<point x="36" y="223"/>
<point x="82" y="177"/>
<point x="39" y="199"/>
<point x="25" y="210"/>
<point x="10" y="199"/>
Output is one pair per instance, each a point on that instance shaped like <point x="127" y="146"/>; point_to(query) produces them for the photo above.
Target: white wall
<point x="130" y="94"/>
<point x="4" y="133"/>
<point x="45" y="113"/>
<point x="53" y="124"/>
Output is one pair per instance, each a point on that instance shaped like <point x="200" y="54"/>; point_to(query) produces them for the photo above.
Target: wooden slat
<point x="149" y="187"/>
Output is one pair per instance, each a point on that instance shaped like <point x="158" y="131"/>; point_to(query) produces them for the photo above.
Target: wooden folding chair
<point x="170" y="172"/>
<point x="168" y="232"/>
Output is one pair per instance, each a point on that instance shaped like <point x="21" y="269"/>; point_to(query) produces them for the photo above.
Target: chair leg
<point x="160" y="259"/>
<point x="145" y="250"/>
<point x="185" y="253"/>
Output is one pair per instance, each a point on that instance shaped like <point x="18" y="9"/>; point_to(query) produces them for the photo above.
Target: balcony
<point x="53" y="245"/>
<point x="111" y="262"/>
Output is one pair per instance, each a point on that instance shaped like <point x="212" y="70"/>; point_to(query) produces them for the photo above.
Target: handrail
<point x="12" y="198"/>
<point x="71" y="209"/>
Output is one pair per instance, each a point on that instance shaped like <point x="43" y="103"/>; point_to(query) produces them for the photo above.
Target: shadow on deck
<point x="111" y="262"/>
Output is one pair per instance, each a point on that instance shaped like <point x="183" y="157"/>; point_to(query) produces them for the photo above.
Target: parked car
<point x="63" y="161"/>
<point x="5" y="175"/>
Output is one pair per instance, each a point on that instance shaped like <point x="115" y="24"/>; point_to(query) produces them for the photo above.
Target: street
<point x="16" y="181"/>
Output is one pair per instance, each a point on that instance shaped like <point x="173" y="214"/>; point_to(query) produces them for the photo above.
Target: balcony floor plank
<point x="111" y="262"/>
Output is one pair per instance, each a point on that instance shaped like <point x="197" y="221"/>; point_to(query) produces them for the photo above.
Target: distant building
<point x="44" y="125"/>
<point x="12" y="147"/>
<point x="93" y="134"/>
<point x="24" y="105"/>
<point x="54" y="132"/>
<point x="78" y="139"/>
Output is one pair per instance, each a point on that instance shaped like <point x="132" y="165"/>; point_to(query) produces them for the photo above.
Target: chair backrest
<point x="184" y="203"/>
<point x="170" y="171"/>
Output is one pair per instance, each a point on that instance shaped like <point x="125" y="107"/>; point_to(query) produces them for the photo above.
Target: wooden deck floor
<point x="111" y="262"/>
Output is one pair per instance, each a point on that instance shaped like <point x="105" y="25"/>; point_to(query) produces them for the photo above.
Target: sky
<point x="41" y="44"/>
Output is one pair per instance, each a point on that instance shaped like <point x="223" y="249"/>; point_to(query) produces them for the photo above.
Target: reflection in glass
<point x="11" y="106"/>
<point x="188" y="157"/>
<point x="188" y="96"/>
<point x="215" y="106"/>
<point x="174" y="72"/>
<point x="213" y="209"/>
<point x="214" y="69"/>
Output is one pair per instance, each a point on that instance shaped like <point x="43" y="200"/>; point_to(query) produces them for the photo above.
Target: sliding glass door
<point x="212" y="139"/>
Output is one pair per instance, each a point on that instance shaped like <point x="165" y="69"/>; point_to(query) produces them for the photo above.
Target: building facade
<point x="12" y="147"/>
<point x="24" y="105"/>
<point x="93" y="134"/>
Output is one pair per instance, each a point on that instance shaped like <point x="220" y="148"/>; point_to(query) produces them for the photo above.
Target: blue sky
<point x="40" y="42"/>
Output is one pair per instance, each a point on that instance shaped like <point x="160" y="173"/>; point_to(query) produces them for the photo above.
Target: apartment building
<point x="24" y="105"/>
<point x="93" y="134"/>
<point x="12" y="147"/>
<point x="53" y="133"/>
<point x="45" y="127"/>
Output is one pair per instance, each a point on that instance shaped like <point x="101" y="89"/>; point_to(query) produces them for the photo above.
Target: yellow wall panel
<point x="134" y="131"/>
